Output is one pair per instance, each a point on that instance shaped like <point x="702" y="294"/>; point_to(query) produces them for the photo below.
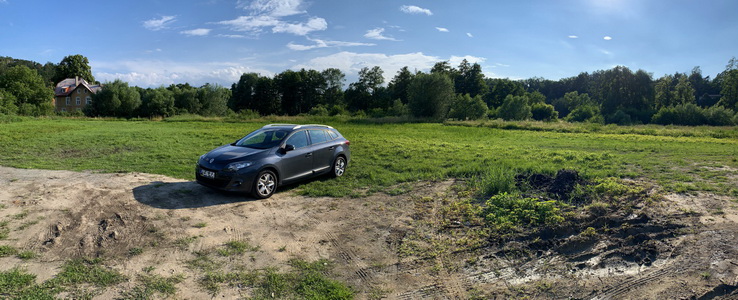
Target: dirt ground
<point x="682" y="247"/>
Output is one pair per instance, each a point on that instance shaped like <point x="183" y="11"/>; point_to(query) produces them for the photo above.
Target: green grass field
<point x="681" y="159"/>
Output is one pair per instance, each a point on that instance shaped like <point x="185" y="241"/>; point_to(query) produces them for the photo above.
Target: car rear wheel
<point x="265" y="184"/>
<point x="339" y="166"/>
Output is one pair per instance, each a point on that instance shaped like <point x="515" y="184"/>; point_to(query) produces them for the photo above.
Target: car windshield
<point x="262" y="139"/>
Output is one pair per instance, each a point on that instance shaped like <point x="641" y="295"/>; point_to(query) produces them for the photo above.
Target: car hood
<point x="229" y="153"/>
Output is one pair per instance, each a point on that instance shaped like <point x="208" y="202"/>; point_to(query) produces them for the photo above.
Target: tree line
<point x="618" y="95"/>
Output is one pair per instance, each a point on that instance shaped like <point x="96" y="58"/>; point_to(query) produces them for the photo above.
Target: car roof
<point x="296" y="126"/>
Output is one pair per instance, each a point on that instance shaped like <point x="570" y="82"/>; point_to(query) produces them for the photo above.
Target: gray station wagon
<point x="274" y="155"/>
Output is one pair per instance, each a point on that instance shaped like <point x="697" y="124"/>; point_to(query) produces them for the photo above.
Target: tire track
<point x="634" y="283"/>
<point x="446" y="286"/>
<point x="434" y="291"/>
<point x="362" y="273"/>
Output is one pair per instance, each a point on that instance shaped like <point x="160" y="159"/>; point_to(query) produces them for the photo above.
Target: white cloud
<point x="456" y="60"/>
<point x="275" y="8"/>
<point x="314" y="24"/>
<point x="441" y="29"/>
<point x="573" y="37"/>
<point x="325" y="44"/>
<point x="469" y="35"/>
<point x="159" y="24"/>
<point x="269" y="14"/>
<point x="412" y="9"/>
<point x="376" y="34"/>
<point x="232" y="36"/>
<point x="607" y="38"/>
<point x="196" y="32"/>
<point x="250" y="23"/>
<point x="152" y="73"/>
<point x="298" y="47"/>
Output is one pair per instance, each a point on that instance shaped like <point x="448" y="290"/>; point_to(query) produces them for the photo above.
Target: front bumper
<point x="226" y="180"/>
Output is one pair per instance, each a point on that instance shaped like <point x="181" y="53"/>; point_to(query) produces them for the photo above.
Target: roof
<point x="69" y="85"/>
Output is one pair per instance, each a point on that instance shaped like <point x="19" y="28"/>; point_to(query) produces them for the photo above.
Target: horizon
<point x="215" y="41"/>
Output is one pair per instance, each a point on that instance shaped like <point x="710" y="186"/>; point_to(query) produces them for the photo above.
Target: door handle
<point x="309" y="155"/>
<point x="331" y="147"/>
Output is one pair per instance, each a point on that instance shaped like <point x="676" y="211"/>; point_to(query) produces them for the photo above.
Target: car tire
<point x="264" y="185"/>
<point x="339" y="167"/>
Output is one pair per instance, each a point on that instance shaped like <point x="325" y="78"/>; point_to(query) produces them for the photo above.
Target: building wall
<point x="70" y="105"/>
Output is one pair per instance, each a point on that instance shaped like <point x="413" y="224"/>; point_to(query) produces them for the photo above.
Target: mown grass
<point x="682" y="159"/>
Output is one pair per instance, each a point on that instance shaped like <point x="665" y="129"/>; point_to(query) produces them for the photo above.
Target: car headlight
<point x="239" y="165"/>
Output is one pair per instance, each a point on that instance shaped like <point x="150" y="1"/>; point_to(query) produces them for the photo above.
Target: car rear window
<point x="317" y="136"/>
<point x="332" y="135"/>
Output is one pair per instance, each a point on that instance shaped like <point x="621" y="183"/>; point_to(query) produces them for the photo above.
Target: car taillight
<point x="348" y="143"/>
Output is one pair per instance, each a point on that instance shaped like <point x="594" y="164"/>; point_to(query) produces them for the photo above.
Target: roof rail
<point x="317" y="125"/>
<point x="271" y="125"/>
<point x="294" y="126"/>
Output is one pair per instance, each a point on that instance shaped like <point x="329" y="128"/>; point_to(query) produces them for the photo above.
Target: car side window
<point x="317" y="136"/>
<point x="299" y="140"/>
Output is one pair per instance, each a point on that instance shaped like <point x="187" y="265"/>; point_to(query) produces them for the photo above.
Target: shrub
<point x="682" y="114"/>
<point x="398" y="109"/>
<point x="620" y="118"/>
<point x="336" y="110"/>
<point x="318" y="110"/>
<point x="543" y="112"/>
<point x="515" y="108"/>
<point x="7" y="103"/>
<point x="465" y="107"/>
<point x="247" y="114"/>
<point x="719" y="116"/>
<point x="585" y="113"/>
<point x="377" y="113"/>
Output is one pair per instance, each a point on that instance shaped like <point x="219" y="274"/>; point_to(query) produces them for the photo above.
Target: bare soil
<point x="680" y="247"/>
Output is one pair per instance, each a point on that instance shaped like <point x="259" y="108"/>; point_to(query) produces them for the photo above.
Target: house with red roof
<point x="72" y="94"/>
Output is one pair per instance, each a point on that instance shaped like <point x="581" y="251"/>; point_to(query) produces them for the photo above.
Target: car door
<point x="322" y="150"/>
<point x="297" y="163"/>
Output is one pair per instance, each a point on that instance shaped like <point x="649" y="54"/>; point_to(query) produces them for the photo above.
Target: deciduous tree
<point x="429" y="95"/>
<point x="74" y="65"/>
<point x="115" y="99"/>
<point x="27" y="87"/>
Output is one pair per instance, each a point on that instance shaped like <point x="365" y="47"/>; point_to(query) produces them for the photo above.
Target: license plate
<point x="207" y="174"/>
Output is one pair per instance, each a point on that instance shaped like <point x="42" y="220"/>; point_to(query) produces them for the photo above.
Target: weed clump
<point x="505" y="212"/>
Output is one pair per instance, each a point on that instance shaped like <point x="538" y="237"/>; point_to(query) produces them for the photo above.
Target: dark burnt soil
<point x="558" y="187"/>
<point x="627" y="250"/>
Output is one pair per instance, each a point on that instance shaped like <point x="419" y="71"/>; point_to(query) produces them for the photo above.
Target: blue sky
<point x="160" y="42"/>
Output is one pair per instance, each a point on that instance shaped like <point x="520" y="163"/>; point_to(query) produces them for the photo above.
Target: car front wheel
<point x="339" y="166"/>
<point x="265" y="184"/>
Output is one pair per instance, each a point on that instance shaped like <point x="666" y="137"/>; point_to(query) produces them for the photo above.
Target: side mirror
<point x="289" y="147"/>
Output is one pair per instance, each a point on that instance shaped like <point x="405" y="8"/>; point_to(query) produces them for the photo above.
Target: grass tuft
<point x="89" y="271"/>
<point x="7" y="251"/>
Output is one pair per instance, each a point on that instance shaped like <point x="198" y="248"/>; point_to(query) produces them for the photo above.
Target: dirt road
<point x="684" y="246"/>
